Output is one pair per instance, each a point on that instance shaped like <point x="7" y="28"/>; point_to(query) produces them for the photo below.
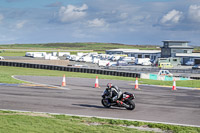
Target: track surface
<point x="157" y="104"/>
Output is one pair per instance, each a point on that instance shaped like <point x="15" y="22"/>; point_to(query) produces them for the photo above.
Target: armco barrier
<point x="71" y="69"/>
<point x="154" y="69"/>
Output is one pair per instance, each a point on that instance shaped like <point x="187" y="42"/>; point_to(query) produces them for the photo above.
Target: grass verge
<point x="12" y="53"/>
<point x="7" y="72"/>
<point x="11" y="122"/>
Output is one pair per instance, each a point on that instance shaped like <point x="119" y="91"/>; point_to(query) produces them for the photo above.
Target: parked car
<point x="189" y="63"/>
<point x="197" y="66"/>
<point x="165" y="72"/>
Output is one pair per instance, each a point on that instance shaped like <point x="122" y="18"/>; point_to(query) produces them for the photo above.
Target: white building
<point x="177" y="49"/>
<point x="195" y="57"/>
<point x="152" y="54"/>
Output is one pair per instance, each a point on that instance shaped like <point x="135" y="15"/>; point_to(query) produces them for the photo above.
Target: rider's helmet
<point x="109" y="85"/>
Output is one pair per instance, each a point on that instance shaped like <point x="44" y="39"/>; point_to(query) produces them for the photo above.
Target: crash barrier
<point x="161" y="77"/>
<point x="136" y="69"/>
<point x="172" y="70"/>
<point x="71" y="69"/>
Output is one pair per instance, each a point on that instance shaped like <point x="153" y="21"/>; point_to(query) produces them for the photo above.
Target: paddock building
<point x="174" y="49"/>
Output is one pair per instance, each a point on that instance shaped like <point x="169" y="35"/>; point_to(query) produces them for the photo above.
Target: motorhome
<point x="35" y="54"/>
<point x="140" y="61"/>
<point x="128" y="60"/>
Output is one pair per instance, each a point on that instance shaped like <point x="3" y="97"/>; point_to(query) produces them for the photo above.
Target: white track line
<point x="167" y="123"/>
<point x="13" y="76"/>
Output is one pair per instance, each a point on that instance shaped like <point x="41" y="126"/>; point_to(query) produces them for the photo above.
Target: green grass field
<point x="12" y="53"/>
<point x="20" y="122"/>
<point x="7" y="72"/>
<point x="84" y="46"/>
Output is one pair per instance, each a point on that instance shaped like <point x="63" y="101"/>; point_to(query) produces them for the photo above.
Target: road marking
<point x="167" y="123"/>
<point x="5" y="84"/>
<point x="38" y="84"/>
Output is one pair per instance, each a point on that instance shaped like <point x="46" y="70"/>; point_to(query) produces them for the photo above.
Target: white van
<point x="139" y="61"/>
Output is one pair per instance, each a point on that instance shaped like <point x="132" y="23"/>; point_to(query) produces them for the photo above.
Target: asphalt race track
<point x="79" y="97"/>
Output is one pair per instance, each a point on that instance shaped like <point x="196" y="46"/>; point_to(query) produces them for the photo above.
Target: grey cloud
<point x="171" y="18"/>
<point x="1" y="17"/>
<point x="56" y="4"/>
<point x="194" y="13"/>
<point x="71" y="13"/>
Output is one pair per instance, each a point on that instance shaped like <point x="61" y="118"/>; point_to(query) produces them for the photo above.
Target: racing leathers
<point x="115" y="93"/>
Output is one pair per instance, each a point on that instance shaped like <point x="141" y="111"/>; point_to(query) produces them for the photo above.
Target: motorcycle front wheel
<point x="105" y="103"/>
<point x="131" y="105"/>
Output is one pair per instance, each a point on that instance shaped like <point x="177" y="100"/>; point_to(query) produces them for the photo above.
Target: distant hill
<point x="79" y="46"/>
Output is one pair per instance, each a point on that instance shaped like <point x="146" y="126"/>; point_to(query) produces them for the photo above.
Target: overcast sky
<point x="111" y="21"/>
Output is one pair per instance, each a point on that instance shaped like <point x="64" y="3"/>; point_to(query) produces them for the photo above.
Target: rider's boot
<point x="114" y="99"/>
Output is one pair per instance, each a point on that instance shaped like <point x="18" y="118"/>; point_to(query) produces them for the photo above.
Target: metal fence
<point x="139" y="69"/>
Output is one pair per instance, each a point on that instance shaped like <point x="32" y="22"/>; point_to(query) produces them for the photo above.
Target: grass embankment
<point x="78" y="46"/>
<point x="11" y="122"/>
<point x="84" y="46"/>
<point x="95" y="47"/>
<point x="7" y="72"/>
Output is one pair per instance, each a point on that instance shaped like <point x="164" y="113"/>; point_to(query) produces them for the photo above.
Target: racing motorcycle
<point x="125" y="100"/>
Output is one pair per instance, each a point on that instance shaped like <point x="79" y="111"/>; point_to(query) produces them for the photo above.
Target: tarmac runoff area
<point x="79" y="97"/>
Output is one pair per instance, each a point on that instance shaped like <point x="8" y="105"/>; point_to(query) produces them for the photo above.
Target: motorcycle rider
<point x="114" y="91"/>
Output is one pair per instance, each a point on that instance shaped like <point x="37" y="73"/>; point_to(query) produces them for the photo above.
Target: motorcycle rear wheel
<point x="105" y="104"/>
<point x="131" y="105"/>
